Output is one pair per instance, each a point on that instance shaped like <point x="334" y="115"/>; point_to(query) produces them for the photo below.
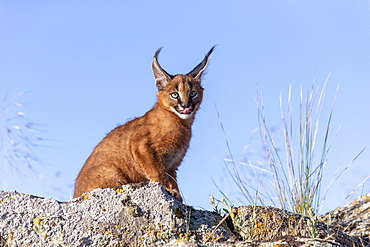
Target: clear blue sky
<point x="87" y="65"/>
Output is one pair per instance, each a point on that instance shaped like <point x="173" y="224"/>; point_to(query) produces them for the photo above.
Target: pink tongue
<point x="186" y="111"/>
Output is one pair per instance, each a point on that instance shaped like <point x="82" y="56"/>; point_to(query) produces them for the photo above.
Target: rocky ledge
<point x="146" y="215"/>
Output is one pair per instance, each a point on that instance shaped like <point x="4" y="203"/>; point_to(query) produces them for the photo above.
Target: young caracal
<point x="150" y="147"/>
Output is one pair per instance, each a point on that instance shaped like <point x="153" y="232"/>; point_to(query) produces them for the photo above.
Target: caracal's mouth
<point x="185" y="113"/>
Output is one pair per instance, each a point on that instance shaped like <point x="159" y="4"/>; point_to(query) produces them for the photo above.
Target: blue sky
<point x="86" y="67"/>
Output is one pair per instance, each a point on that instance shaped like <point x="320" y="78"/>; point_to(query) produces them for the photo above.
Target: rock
<point x="269" y="224"/>
<point x="146" y="215"/>
<point x="287" y="241"/>
<point x="132" y="215"/>
<point x="353" y="219"/>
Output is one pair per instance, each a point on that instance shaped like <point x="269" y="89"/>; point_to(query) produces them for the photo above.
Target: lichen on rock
<point x="268" y="224"/>
<point x="353" y="219"/>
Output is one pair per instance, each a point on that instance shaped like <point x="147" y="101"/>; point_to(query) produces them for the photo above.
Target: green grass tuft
<point x="293" y="179"/>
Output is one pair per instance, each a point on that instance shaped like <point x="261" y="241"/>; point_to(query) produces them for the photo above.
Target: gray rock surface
<point x="134" y="215"/>
<point x="146" y="215"/>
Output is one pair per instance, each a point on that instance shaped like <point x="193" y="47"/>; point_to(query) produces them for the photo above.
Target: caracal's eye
<point x="193" y="94"/>
<point x="174" y="95"/>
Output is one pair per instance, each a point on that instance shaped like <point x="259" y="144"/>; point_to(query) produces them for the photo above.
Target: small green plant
<point x="216" y="204"/>
<point x="188" y="222"/>
<point x="38" y="227"/>
<point x="229" y="210"/>
<point x="312" y="223"/>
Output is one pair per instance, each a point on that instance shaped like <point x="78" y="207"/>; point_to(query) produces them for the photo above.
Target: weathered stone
<point x="353" y="219"/>
<point x="146" y="215"/>
<point x="133" y="215"/>
<point x="268" y="223"/>
<point x="287" y="241"/>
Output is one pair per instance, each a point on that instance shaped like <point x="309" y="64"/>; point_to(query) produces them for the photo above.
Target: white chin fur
<point x="183" y="116"/>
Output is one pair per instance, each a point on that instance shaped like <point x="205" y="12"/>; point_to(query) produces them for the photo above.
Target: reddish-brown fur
<point x="150" y="147"/>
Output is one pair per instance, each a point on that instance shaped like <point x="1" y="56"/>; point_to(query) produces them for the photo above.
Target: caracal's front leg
<point x="155" y="171"/>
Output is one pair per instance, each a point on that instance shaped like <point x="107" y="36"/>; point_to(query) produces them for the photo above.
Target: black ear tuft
<point x="160" y="75"/>
<point x="197" y="71"/>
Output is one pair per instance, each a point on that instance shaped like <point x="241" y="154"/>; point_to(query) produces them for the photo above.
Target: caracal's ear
<point x="197" y="71"/>
<point x="160" y="75"/>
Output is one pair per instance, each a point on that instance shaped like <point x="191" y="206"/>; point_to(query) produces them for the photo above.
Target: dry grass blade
<point x="234" y="175"/>
<point x="20" y="139"/>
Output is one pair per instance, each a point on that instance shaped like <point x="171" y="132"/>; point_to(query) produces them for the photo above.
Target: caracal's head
<point x="180" y="94"/>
